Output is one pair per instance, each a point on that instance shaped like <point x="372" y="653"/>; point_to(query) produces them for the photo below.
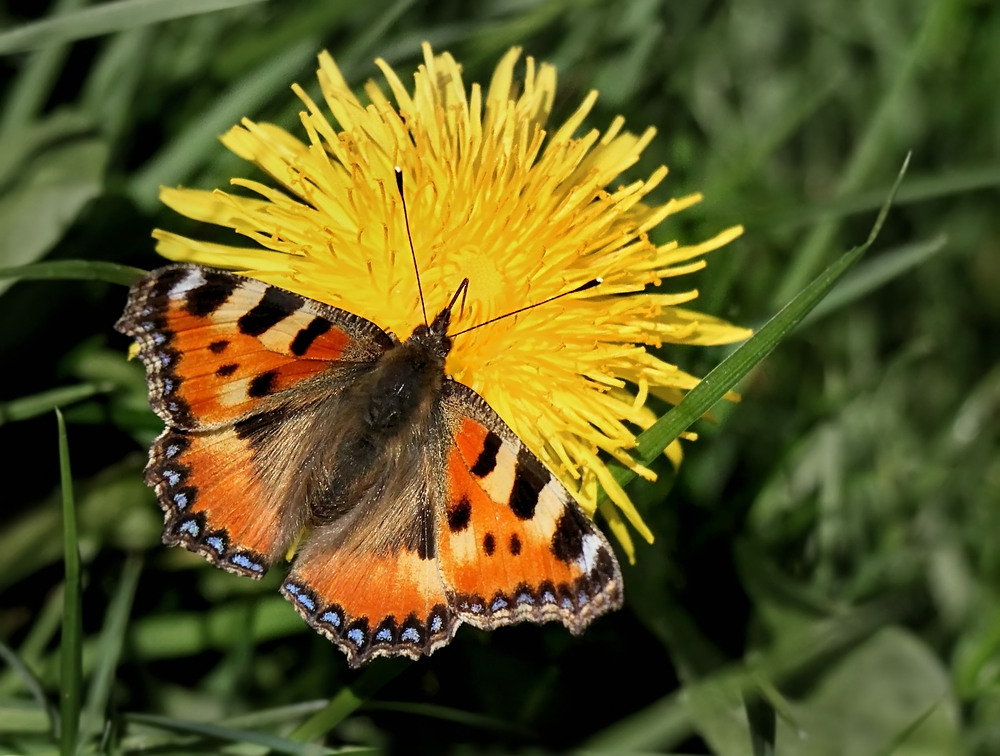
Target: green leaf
<point x="109" y="649"/>
<point x="350" y="697"/>
<point x="889" y="695"/>
<point x="105" y="18"/>
<point x="71" y="643"/>
<point x="51" y="190"/>
<point x="39" y="404"/>
<point x="77" y="270"/>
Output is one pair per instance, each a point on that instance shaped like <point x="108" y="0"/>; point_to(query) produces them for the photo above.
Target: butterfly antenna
<point x="462" y="289"/>
<point x="409" y="238"/>
<point x="589" y="285"/>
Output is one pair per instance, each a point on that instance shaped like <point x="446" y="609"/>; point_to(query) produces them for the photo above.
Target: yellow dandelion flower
<point x="495" y="195"/>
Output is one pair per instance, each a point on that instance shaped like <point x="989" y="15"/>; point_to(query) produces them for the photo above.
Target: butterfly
<point x="421" y="509"/>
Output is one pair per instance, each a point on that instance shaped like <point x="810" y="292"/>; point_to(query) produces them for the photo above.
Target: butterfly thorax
<point x="371" y="434"/>
<point x="405" y="379"/>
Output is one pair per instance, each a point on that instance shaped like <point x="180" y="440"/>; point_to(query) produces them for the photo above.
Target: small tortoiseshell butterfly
<point x="422" y="509"/>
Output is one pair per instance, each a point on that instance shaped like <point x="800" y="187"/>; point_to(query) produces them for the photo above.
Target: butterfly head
<point x="434" y="337"/>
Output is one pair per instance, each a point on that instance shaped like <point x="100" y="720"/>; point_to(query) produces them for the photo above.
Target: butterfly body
<point x="421" y="508"/>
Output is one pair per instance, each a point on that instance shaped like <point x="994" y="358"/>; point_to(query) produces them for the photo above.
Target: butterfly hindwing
<point x="514" y="545"/>
<point x="370" y="603"/>
<point x="215" y="504"/>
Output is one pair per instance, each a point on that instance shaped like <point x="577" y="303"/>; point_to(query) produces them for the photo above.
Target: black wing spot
<point x="489" y="544"/>
<point x="211" y="295"/>
<point x="166" y="280"/>
<point x="459" y="515"/>
<point x="487" y="460"/>
<point x="515" y="544"/>
<point x="421" y="537"/>
<point x="306" y="336"/>
<point x="529" y="480"/>
<point x="262" y="385"/>
<point x="226" y="370"/>
<point x="218" y="347"/>
<point x="567" y="541"/>
<point x="276" y="305"/>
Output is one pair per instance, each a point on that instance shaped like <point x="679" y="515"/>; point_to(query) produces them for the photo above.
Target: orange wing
<point x="219" y="350"/>
<point x="513" y="544"/>
<point x="370" y="603"/>
<point x="215" y="344"/>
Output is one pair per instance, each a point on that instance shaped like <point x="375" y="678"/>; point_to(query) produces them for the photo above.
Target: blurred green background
<point x="826" y="574"/>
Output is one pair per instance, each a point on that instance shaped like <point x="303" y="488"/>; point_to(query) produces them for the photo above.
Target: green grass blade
<point x="866" y="155"/>
<point x="76" y="270"/>
<point x="727" y="374"/>
<point x="177" y="161"/>
<point x="898" y="744"/>
<point x="109" y="650"/>
<point x="106" y="18"/>
<point x="39" y="404"/>
<point x="763" y="724"/>
<point x="110" y="91"/>
<point x="450" y="714"/>
<point x="350" y="697"/>
<point x="662" y="722"/>
<point x="227" y="734"/>
<point x="33" y="85"/>
<point x="872" y="274"/>
<point x="71" y="644"/>
<point x="31" y="682"/>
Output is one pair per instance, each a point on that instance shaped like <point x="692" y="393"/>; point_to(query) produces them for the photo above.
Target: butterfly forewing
<point x="214" y="343"/>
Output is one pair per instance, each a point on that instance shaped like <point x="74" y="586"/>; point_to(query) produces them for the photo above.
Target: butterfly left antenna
<point x="409" y="238"/>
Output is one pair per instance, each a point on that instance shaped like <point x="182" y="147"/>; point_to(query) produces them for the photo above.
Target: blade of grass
<point x="227" y="734"/>
<point x="33" y="85"/>
<point x="106" y="18"/>
<point x="449" y="714"/>
<point x="762" y="722"/>
<point x="899" y="742"/>
<point x="175" y="163"/>
<point x="71" y="643"/>
<point x="918" y="189"/>
<point x="44" y="627"/>
<point x="32" y="683"/>
<point x="39" y="404"/>
<point x="698" y="401"/>
<point x="109" y="650"/>
<point x="866" y="155"/>
<point x="112" y="82"/>
<point x="349" y="698"/>
<point x="872" y="274"/>
<point x="76" y="270"/>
